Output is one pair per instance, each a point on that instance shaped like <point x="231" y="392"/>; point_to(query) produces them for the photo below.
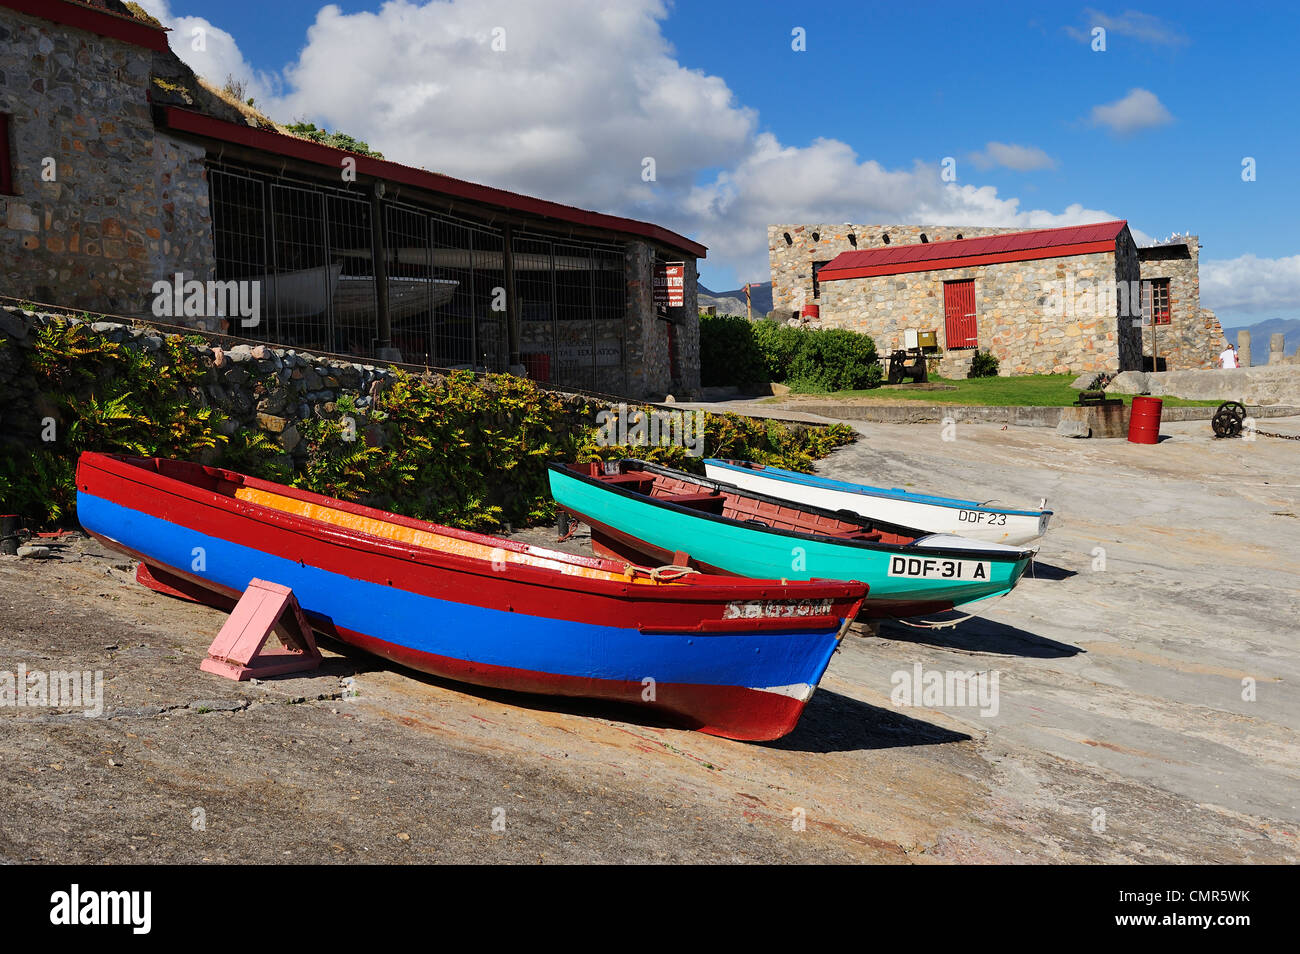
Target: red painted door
<point x="959" y="314"/>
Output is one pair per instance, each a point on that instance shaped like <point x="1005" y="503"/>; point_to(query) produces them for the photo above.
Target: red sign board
<point x="670" y="284"/>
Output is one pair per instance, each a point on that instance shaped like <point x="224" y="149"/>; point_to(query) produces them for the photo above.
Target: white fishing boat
<point x="976" y="520"/>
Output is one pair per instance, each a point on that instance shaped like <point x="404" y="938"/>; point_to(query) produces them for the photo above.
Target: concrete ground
<point x="1144" y="712"/>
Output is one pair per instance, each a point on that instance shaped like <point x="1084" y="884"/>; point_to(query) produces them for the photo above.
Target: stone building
<point x="1043" y="307"/>
<point x="122" y="173"/>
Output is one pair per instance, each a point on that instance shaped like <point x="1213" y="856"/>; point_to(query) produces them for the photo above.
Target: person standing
<point x="1229" y="357"/>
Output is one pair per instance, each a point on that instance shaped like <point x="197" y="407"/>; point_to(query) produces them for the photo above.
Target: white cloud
<point x="582" y="93"/>
<point x="1140" y="109"/>
<point x="1142" y="27"/>
<point x="209" y="50"/>
<point x="1012" y="156"/>
<point x="1251" y="285"/>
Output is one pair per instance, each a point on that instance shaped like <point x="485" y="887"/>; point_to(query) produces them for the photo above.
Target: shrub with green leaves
<point x="729" y="354"/>
<point x="834" y="359"/>
<point x="984" y="364"/>
<point x="778" y="343"/>
<point x="465" y="450"/>
<point x="738" y="352"/>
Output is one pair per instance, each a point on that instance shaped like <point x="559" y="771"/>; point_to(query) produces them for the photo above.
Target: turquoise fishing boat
<point x="655" y="515"/>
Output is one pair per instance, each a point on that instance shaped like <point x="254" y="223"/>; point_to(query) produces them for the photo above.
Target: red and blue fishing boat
<point x="730" y="657"/>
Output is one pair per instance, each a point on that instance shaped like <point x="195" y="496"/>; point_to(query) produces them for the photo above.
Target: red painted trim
<point x="733" y="712"/>
<point x="188" y="121"/>
<point x="100" y="22"/>
<point x="194" y="496"/>
<point x="962" y="261"/>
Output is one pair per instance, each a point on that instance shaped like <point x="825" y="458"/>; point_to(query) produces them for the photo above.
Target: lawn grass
<point x="1037" y="390"/>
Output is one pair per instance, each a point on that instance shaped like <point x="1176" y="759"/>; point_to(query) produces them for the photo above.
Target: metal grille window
<point x="1155" y="301"/>
<point x="311" y="247"/>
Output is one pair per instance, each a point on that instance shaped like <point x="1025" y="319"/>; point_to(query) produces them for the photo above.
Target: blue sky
<point x="747" y="131"/>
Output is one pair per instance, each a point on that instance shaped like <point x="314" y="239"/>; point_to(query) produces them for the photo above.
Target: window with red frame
<point x="1155" y="301"/>
<point x="6" y="167"/>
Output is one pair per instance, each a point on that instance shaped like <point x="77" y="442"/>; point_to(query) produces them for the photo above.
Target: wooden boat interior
<point x="394" y="528"/>
<point x="725" y="501"/>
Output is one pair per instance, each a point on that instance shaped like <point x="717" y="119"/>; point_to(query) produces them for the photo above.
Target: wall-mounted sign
<point x="670" y="284"/>
<point x="608" y="354"/>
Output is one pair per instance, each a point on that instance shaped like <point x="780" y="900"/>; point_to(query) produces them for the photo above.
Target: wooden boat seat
<point x="637" y="483"/>
<point x="709" y="503"/>
<point x="856" y="534"/>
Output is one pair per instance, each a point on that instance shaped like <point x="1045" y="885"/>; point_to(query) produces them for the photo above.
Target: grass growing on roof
<point x="1034" y="390"/>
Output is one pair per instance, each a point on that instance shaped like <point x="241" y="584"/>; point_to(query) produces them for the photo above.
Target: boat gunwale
<point x="901" y="549"/>
<point x="709" y="589"/>
<point x="903" y="496"/>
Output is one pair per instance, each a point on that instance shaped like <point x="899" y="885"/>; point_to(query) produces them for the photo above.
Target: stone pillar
<point x="1243" y="349"/>
<point x="1275" y="345"/>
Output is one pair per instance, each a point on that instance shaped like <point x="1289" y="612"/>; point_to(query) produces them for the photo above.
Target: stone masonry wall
<point x="649" y="371"/>
<point x="257" y="386"/>
<point x="127" y="206"/>
<point x="640" y="346"/>
<point x="1010" y="303"/>
<point x="791" y="261"/>
<point x="1193" y="338"/>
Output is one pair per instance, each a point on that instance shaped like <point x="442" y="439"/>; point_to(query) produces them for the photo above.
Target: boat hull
<point x="633" y="526"/>
<point x="691" y="657"/>
<point x="967" y="518"/>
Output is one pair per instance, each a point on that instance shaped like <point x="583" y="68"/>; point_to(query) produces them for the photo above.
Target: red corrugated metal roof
<point x="279" y="144"/>
<point x="986" y="250"/>
<point x="93" y="19"/>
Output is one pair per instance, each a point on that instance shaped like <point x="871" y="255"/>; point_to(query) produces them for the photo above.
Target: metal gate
<point x="446" y="295"/>
<point x="572" y="309"/>
<point x="960" y="329"/>
<point x="309" y="248"/>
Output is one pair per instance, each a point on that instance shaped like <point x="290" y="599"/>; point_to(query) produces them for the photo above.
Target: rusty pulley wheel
<point x="1228" y="419"/>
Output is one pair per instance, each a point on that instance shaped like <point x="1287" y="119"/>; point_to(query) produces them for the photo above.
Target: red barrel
<point x="811" y="311"/>
<point x="1144" y="421"/>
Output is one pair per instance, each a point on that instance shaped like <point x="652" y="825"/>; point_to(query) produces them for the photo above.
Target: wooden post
<point x="512" y="304"/>
<point x="379" y="258"/>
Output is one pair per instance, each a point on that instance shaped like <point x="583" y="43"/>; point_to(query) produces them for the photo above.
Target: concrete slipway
<point x="1121" y="734"/>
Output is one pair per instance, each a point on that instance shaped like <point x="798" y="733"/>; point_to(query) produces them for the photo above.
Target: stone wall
<point x="1263" y="385"/>
<point x="1128" y="272"/>
<point x="791" y="261"/>
<point x="649" y="370"/>
<point x="127" y="205"/>
<point x="1011" y="299"/>
<point x="1193" y="338"/>
<point x="258" y="387"/>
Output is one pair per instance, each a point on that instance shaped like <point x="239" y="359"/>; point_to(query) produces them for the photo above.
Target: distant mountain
<point x="733" y="302"/>
<point x="1259" y="335"/>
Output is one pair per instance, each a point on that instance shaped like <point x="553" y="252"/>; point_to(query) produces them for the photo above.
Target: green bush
<point x="729" y="355"/>
<point x="834" y="359"/>
<point x="778" y="344"/>
<point x="737" y="352"/>
<point x="464" y="450"/>
<point x="984" y="365"/>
